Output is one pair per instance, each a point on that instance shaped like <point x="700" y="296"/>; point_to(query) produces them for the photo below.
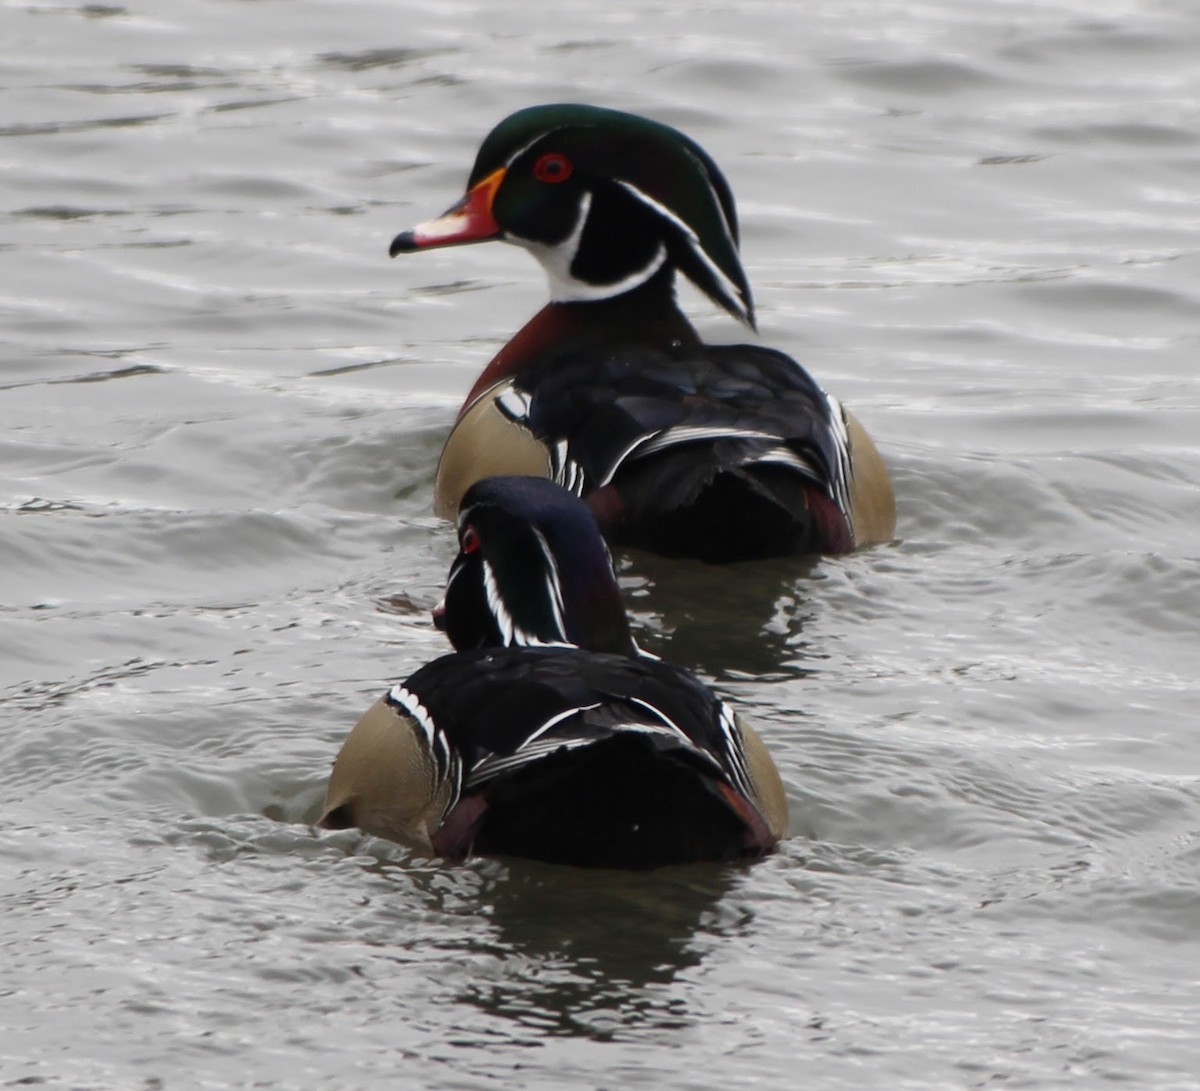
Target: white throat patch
<point x="558" y="258"/>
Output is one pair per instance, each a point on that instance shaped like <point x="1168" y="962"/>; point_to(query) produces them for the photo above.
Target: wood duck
<point x="722" y="452"/>
<point x="547" y="734"/>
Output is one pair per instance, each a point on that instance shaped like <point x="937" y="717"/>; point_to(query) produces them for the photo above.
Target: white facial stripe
<point x="511" y="634"/>
<point x="558" y="258"/>
<point x="553" y="585"/>
<point x="456" y="570"/>
<point x="525" y="147"/>
<point x="724" y="284"/>
<point x="495" y="603"/>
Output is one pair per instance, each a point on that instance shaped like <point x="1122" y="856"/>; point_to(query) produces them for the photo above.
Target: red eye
<point x="552" y="167"/>
<point x="470" y="540"/>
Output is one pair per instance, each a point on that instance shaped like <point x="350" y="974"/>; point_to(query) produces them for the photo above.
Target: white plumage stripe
<point x="537" y="733"/>
<point x="495" y="603"/>
<point x="733" y="748"/>
<point x="843" y="471"/>
<point x="538" y="747"/>
<point x="659" y="714"/>
<point x="411" y="704"/>
<point x="553" y="584"/>
<point x="727" y="287"/>
<point x="619" y="461"/>
<point x="435" y="739"/>
<point x="514" y="404"/>
<point x="495" y="765"/>
<point x="558" y="258"/>
<point x="785" y="456"/>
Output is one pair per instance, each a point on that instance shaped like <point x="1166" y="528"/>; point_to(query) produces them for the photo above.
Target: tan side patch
<point x="484" y="442"/>
<point x="383" y="780"/>
<point x="872" y="499"/>
<point x="769" y="794"/>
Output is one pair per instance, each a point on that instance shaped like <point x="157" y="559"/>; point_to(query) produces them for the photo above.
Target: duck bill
<point x="470" y="220"/>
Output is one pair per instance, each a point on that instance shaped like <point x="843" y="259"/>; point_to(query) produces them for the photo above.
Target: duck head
<point x="606" y="201"/>
<point x="531" y="569"/>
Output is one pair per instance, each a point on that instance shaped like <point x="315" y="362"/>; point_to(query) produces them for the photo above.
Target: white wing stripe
<point x="492" y="766"/>
<point x="659" y="714"/>
<point x="556" y="719"/>
<point x="536" y="749"/>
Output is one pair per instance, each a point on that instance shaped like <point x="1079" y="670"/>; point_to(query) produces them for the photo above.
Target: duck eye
<point x="470" y="540"/>
<point x="553" y="167"/>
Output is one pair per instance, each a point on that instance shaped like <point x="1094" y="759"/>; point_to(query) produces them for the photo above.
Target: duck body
<point x="555" y="754"/>
<point x="523" y="743"/>
<point x="723" y="452"/>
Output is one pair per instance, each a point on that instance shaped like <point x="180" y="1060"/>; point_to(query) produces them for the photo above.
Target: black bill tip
<point x="403" y="243"/>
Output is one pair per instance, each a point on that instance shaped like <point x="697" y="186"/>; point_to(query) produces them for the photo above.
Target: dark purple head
<point x="532" y="569"/>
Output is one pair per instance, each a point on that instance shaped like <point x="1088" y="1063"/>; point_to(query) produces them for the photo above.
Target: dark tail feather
<point x="673" y="506"/>
<point x="632" y="800"/>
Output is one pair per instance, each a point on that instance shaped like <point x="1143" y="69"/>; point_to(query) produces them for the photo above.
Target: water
<point x="220" y="411"/>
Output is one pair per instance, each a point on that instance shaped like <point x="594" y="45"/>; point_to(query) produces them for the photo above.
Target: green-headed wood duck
<point x="547" y="734"/>
<point x="722" y="452"/>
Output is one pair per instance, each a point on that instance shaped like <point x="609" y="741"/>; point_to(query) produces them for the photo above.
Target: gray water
<point x="220" y="409"/>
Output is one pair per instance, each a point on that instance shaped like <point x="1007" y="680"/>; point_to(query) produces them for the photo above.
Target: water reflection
<point x="592" y="953"/>
<point x="726" y="621"/>
<point x="571" y="952"/>
<point x="526" y="949"/>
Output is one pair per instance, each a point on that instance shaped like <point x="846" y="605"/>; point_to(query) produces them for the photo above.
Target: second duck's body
<point x="548" y="734"/>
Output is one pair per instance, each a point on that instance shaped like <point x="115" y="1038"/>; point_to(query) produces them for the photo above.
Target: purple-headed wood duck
<point x="548" y="734"/>
<point x="722" y="452"/>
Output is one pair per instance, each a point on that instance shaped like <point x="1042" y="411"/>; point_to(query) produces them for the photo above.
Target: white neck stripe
<point x="724" y="284"/>
<point x="557" y="259"/>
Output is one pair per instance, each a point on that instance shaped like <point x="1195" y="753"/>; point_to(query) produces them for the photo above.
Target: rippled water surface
<point x="220" y="411"/>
